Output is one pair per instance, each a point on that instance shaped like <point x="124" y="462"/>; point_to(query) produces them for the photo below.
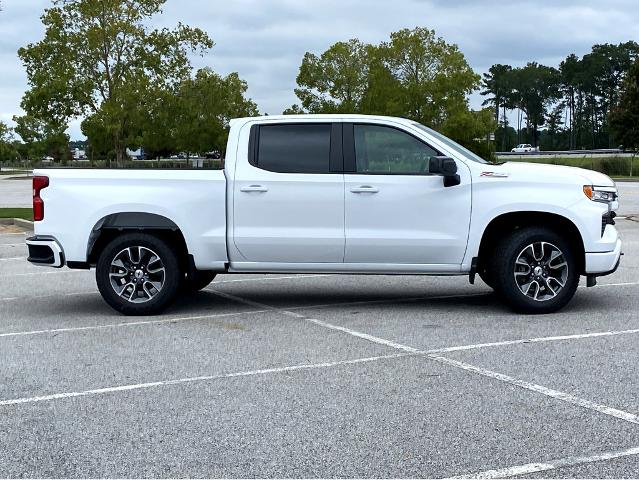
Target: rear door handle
<point x="254" y="188"/>
<point x="365" y="189"/>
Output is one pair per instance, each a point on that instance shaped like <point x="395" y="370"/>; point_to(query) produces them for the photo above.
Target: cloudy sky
<point x="264" y="40"/>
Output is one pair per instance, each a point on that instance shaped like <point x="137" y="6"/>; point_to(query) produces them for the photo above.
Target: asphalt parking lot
<point x="317" y="376"/>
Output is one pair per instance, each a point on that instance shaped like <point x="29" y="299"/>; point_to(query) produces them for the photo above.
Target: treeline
<point x="133" y="86"/>
<point x="414" y="74"/>
<point x="569" y="107"/>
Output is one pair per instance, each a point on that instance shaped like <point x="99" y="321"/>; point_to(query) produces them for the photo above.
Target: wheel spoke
<point x="537" y="289"/>
<point x="557" y="281"/>
<point x="541" y="251"/>
<point x="146" y="290"/>
<point x="548" y="287"/>
<point x="560" y="265"/>
<point x="126" y="285"/>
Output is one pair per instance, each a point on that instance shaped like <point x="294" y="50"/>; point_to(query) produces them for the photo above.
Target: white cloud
<point x="264" y="40"/>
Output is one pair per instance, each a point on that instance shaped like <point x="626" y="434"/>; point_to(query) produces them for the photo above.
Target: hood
<point x="553" y="173"/>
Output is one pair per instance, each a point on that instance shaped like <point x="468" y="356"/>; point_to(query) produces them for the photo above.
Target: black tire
<point x="486" y="275"/>
<point x="543" y="282"/>
<point x="197" y="280"/>
<point x="144" y="298"/>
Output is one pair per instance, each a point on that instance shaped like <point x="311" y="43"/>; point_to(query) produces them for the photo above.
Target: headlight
<point x="601" y="194"/>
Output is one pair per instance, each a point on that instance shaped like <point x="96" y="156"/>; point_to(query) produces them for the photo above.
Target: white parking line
<point x="578" y="336"/>
<point x="549" y="392"/>
<point x="43" y="272"/>
<point x="405" y="351"/>
<point x="35" y="297"/>
<point x="555" y="394"/>
<point x="290" y="277"/>
<point x="12" y="258"/>
<point x="127" y="324"/>
<point x="307" y="307"/>
<point x="138" y="386"/>
<point x="188" y="318"/>
<point x="551" y="465"/>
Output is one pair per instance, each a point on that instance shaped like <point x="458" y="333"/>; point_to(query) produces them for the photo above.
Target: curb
<point x="26" y="224"/>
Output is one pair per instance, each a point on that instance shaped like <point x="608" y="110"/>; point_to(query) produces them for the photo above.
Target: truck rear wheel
<point x="138" y="274"/>
<point x="536" y="270"/>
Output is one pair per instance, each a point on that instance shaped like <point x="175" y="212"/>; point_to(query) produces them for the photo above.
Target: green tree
<point x="42" y="138"/>
<point x="590" y="87"/>
<point x="335" y="81"/>
<point x="624" y="119"/>
<point x="383" y="94"/>
<point x="536" y="88"/>
<point x="414" y="75"/>
<point x="294" y="110"/>
<point x="204" y="106"/>
<point x="498" y="82"/>
<point x="7" y="148"/>
<point x="100" y="59"/>
<point x="434" y="76"/>
<point x="472" y="129"/>
<point x="569" y="70"/>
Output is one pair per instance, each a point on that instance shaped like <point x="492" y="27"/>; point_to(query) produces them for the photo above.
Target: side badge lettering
<point x="495" y="174"/>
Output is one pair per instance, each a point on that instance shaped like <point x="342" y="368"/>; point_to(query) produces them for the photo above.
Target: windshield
<point x="452" y="145"/>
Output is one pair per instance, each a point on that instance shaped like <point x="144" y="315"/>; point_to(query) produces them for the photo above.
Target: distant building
<point x="136" y="154"/>
<point x="77" y="154"/>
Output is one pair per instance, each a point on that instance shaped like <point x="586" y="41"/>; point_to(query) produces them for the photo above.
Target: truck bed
<point x="77" y="200"/>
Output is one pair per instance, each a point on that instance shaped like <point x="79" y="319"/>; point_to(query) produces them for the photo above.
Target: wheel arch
<point x="115" y="224"/>
<point x="511" y="221"/>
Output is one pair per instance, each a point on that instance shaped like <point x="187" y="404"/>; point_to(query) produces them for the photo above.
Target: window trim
<point x="350" y="159"/>
<point x="336" y="155"/>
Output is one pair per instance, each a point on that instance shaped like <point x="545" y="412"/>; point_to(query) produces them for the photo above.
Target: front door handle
<point x="365" y="189"/>
<point x="254" y="188"/>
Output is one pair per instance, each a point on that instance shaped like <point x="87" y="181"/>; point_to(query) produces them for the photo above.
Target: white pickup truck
<point x="330" y="194"/>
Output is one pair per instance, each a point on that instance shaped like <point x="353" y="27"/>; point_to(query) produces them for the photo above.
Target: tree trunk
<point x="119" y="149"/>
<point x="504" y="131"/>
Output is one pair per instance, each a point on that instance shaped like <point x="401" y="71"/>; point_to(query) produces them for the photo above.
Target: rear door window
<point x="294" y="148"/>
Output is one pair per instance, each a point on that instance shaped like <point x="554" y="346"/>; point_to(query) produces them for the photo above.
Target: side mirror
<point x="446" y="167"/>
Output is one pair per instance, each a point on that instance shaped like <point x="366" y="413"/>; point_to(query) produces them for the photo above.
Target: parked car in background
<point x="525" y="148"/>
<point x="330" y="194"/>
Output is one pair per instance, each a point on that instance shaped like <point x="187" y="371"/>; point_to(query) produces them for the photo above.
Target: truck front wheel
<point x="197" y="280"/>
<point x="536" y="270"/>
<point x="138" y="274"/>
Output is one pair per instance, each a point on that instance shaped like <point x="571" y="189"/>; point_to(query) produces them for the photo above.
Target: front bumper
<point x="45" y="251"/>
<point x="603" y="263"/>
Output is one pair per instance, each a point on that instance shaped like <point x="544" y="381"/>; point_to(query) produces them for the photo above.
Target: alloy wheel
<point x="137" y="274"/>
<point x="541" y="271"/>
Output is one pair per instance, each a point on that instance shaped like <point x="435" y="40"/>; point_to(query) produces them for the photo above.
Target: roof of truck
<point x="315" y="116"/>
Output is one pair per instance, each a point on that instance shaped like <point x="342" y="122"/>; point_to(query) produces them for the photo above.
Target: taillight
<point x="39" y="182"/>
